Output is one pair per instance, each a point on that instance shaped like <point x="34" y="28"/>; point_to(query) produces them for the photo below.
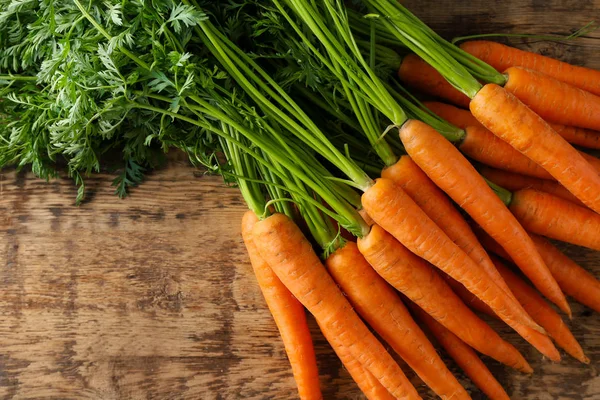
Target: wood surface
<point x="152" y="297"/>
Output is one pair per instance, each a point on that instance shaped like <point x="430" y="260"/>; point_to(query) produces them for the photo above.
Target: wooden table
<point x="152" y="297"/>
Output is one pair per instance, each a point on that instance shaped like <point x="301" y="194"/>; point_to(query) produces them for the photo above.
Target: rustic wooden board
<point x="152" y="297"/>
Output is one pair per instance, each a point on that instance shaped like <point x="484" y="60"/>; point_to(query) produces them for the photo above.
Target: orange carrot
<point x="541" y="342"/>
<point x="417" y="74"/>
<point x="289" y="316"/>
<point x="593" y="161"/>
<point x="579" y="136"/>
<point x="392" y="209"/>
<point x="542" y="313"/>
<point x="442" y="212"/>
<point x="289" y="254"/>
<point x="551" y="216"/>
<point x="378" y="303"/>
<point x="452" y="173"/>
<point x="513" y="182"/>
<point x="463" y="355"/>
<point x="503" y="57"/>
<point x="420" y="282"/>
<point x="572" y="279"/>
<point x="516" y="124"/>
<point x="483" y="146"/>
<point x="553" y="100"/>
<point x="367" y="383"/>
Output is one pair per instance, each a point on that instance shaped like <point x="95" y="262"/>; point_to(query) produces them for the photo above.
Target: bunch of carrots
<point x="375" y="211"/>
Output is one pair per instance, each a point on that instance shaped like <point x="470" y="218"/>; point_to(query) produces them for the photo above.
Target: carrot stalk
<point x="442" y="212"/>
<point x="543" y="314"/>
<point x="553" y="100"/>
<point x="551" y="216"/>
<point x="392" y="209"/>
<point x="283" y="246"/>
<point x="379" y="304"/>
<point x="365" y="380"/>
<point x="452" y="173"/>
<point x="513" y="122"/>
<point x="514" y="182"/>
<point x="289" y="316"/>
<point x="464" y="356"/>
<point x="502" y="57"/>
<point x="421" y="283"/>
<point x="417" y="74"/>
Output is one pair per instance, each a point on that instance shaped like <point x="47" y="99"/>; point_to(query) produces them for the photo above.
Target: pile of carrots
<point x="387" y="280"/>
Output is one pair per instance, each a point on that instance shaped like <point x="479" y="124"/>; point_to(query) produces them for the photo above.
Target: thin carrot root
<point x="452" y="173"/>
<point x="463" y="355"/>
<point x="502" y="57"/>
<point x="420" y="282"/>
<point x="551" y="216"/>
<point x="392" y="209"/>
<point x="543" y="314"/>
<point x="513" y="122"/>
<point x="379" y="304"/>
<point x="365" y="380"/>
<point x="289" y="316"/>
<point x="419" y="75"/>
<point x="514" y="182"/>
<point x="289" y="254"/>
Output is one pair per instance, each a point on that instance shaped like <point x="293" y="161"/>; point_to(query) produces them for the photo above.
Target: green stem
<point x="18" y="78"/>
<point x="505" y="195"/>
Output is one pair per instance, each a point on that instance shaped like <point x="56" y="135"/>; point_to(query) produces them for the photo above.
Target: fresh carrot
<point x="512" y="121"/>
<point x="579" y="136"/>
<point x="452" y="173"/>
<point x="593" y="161"/>
<point x="442" y="212"/>
<point x="553" y="100"/>
<point x="542" y="313"/>
<point x="541" y="342"/>
<point x="289" y="316"/>
<point x="289" y="254"/>
<point x="392" y="209"/>
<point x="513" y="182"/>
<point x="483" y="146"/>
<point x="421" y="283"/>
<point x="367" y="383"/>
<point x="556" y="218"/>
<point x="417" y="74"/>
<point x="380" y="306"/>
<point x="572" y="279"/>
<point x="503" y="57"/>
<point x="464" y="356"/>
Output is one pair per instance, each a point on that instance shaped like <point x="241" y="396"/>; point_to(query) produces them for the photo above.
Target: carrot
<point x="463" y="355"/>
<point x="513" y="122"/>
<point x="541" y="342"/>
<point x="420" y="282"/>
<point x="572" y="279"/>
<point x="452" y="173"/>
<point x="579" y="136"/>
<point x="553" y="100"/>
<point x="543" y="314"/>
<point x="551" y="216"/>
<point x="503" y="57"/>
<point x="419" y="75"/>
<point x="289" y="254"/>
<point x="392" y="209"/>
<point x="593" y="161"/>
<point x="367" y="383"/>
<point x="483" y="146"/>
<point x="289" y="316"/>
<point x="378" y="303"/>
<point x="442" y="212"/>
<point x="513" y="182"/>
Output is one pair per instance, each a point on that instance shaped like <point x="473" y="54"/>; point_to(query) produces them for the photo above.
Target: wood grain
<point x="152" y="297"/>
